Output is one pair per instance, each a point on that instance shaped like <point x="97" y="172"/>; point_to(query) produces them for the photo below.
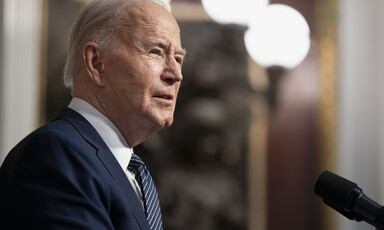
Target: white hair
<point x="96" y="22"/>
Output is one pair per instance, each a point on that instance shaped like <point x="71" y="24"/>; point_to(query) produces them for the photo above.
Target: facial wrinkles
<point x="145" y="35"/>
<point x="138" y="29"/>
<point x="137" y="26"/>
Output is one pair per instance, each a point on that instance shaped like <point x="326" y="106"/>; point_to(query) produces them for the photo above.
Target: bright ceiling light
<point x="233" y="11"/>
<point x="279" y="35"/>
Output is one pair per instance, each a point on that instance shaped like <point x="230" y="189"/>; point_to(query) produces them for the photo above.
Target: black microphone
<point x="348" y="199"/>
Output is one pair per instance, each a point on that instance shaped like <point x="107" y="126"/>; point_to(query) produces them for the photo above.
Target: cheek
<point x="135" y="80"/>
<point x="139" y="90"/>
<point x="125" y="78"/>
<point x="177" y="88"/>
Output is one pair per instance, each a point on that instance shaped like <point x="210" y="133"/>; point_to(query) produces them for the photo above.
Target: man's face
<point x="143" y="75"/>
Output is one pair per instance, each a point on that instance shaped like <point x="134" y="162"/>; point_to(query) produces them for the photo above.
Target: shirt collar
<point x="107" y="130"/>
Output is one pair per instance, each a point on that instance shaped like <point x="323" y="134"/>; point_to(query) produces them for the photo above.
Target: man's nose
<point x="172" y="71"/>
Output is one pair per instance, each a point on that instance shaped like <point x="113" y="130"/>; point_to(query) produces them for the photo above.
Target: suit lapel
<point x="109" y="161"/>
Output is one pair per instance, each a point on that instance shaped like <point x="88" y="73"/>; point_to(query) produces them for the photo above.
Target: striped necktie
<point x="148" y="189"/>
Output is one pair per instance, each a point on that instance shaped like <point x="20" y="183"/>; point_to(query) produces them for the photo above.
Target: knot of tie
<point x="148" y="189"/>
<point x="135" y="163"/>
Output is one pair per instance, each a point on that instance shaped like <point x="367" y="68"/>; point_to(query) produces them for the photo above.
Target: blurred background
<point x="274" y="93"/>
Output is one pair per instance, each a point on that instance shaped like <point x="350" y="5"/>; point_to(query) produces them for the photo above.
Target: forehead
<point x="148" y="17"/>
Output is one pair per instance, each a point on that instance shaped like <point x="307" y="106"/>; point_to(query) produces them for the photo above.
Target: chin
<point x="167" y="123"/>
<point x="164" y="120"/>
<point x="160" y="121"/>
<point x="159" y="124"/>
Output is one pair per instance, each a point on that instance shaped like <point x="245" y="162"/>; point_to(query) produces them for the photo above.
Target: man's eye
<point x="179" y="60"/>
<point x="157" y="52"/>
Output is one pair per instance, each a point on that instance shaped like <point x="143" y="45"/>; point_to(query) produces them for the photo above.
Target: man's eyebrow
<point x="159" y="44"/>
<point x="182" y="52"/>
<point x="162" y="45"/>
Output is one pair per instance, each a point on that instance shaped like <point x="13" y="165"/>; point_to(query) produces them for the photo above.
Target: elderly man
<point x="79" y="171"/>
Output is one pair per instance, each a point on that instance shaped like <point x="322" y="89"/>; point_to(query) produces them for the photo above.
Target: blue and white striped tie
<point x="148" y="189"/>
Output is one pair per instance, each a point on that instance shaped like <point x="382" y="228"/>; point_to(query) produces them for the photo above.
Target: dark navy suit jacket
<point x="63" y="176"/>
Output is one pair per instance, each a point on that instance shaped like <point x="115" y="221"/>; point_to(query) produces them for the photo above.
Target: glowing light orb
<point x="233" y="11"/>
<point x="279" y="35"/>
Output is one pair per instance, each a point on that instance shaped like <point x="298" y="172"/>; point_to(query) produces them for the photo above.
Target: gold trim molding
<point x="326" y="18"/>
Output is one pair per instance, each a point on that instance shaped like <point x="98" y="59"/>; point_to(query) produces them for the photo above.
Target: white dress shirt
<point x="111" y="136"/>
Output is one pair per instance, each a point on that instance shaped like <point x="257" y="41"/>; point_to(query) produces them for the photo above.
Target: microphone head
<point x="339" y="193"/>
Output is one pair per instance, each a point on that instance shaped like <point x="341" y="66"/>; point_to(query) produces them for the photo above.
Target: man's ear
<point x="93" y="62"/>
